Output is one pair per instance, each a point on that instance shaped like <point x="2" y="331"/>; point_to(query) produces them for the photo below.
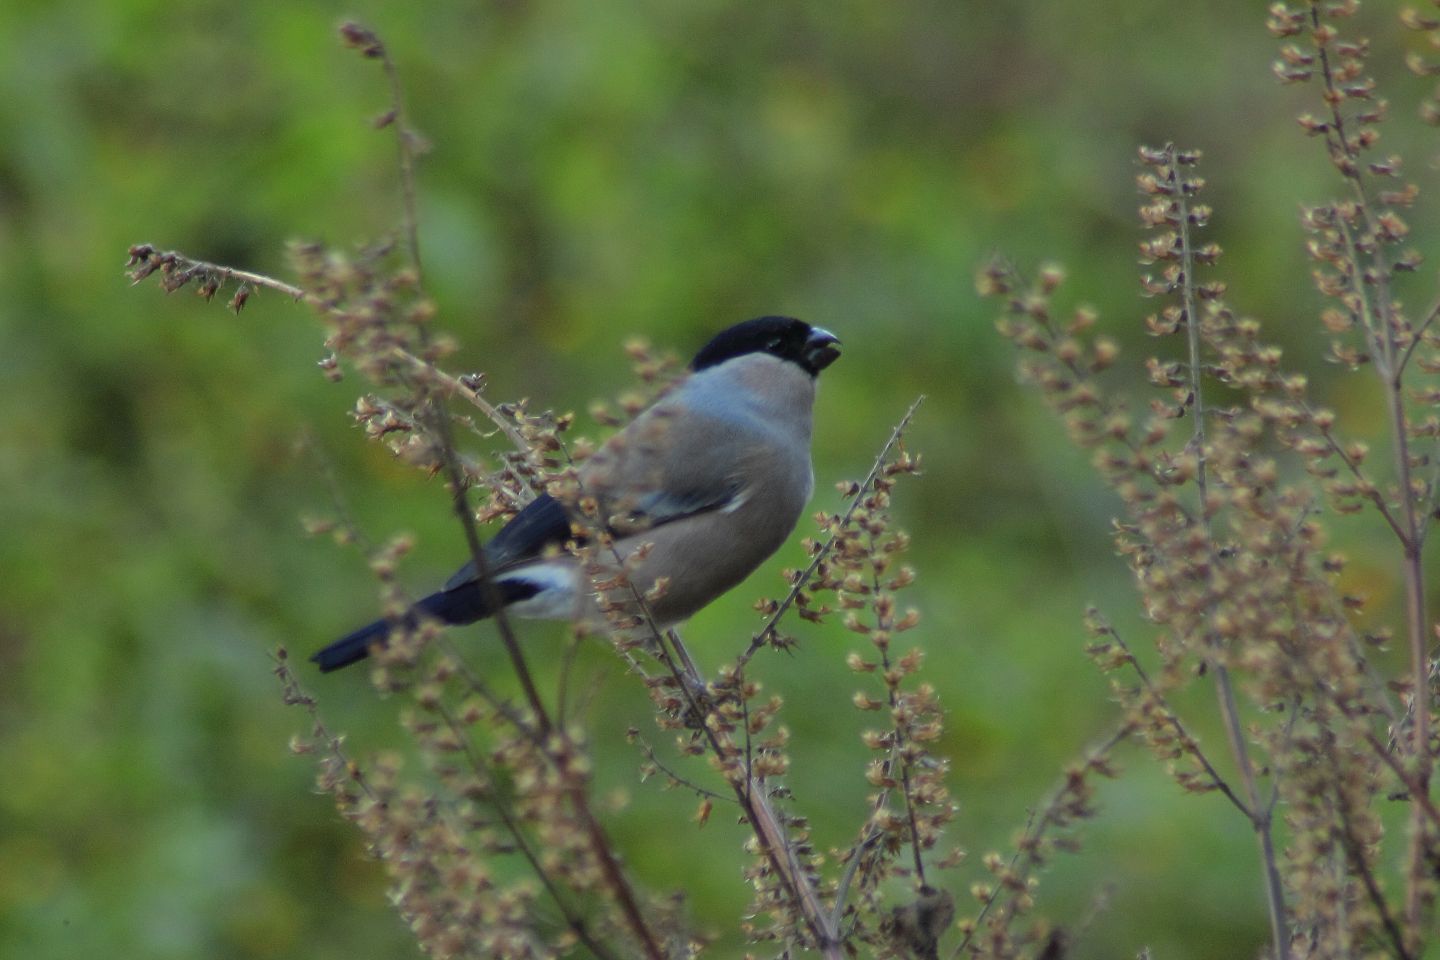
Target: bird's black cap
<point x="811" y="348"/>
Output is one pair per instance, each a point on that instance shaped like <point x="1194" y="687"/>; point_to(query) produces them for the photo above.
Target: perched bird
<point x="711" y="480"/>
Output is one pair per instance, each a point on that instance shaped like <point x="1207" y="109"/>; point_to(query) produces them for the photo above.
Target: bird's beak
<point x="821" y="349"/>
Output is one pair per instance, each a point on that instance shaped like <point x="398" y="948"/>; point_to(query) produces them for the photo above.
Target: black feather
<point x="463" y="604"/>
<point x="783" y="337"/>
<point x="543" y="522"/>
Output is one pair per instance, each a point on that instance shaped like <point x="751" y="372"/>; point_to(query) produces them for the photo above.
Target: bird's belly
<point x="708" y="556"/>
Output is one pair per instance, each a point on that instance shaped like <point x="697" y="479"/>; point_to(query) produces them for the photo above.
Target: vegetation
<point x="555" y="793"/>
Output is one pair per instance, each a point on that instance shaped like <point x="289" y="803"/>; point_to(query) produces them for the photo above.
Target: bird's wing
<point x="542" y="522"/>
<point x="666" y="506"/>
<point x="545" y="522"/>
<point x="655" y="472"/>
<point x="672" y="462"/>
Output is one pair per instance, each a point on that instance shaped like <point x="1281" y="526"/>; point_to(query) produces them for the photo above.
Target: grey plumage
<point x="712" y="479"/>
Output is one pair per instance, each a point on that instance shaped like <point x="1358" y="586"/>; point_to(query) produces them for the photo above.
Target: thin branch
<point x="600" y="844"/>
<point x="432" y="401"/>
<point x="676" y="778"/>
<point x="145" y="260"/>
<point x="1224" y="689"/>
<point x="1188" y="743"/>
<point x="1415" y="796"/>
<point x="866" y="841"/>
<point x="1355" y="854"/>
<point x="567" y="667"/>
<point x="1431" y="316"/>
<point x="405" y="157"/>
<point x="882" y="623"/>
<point x="1374" y="494"/>
<point x="768" y="631"/>
<point x="483" y="770"/>
<point x="295" y="695"/>
<point x="760" y="813"/>
<point x="177" y="270"/>
<point x="1413" y="568"/>
<point x="454" y="386"/>
<point x="1262" y="822"/>
<point x="852" y="864"/>
<point x="1035" y="827"/>
<point x="555" y="745"/>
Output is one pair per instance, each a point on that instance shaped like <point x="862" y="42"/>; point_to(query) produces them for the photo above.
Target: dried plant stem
<point x="768" y="631"/>
<point x="755" y="804"/>
<point x="405" y="158"/>
<point x="614" y="876"/>
<point x="1355" y="855"/>
<point x="1418" y="797"/>
<point x="482" y="769"/>
<point x="1373" y="493"/>
<point x="842" y="889"/>
<point x="1381" y="325"/>
<point x="900" y="740"/>
<point x="1028" y="848"/>
<point x="149" y="259"/>
<point x="434" y="402"/>
<point x="1261" y="817"/>
<point x="1258" y="811"/>
<point x="455" y="386"/>
<point x="461" y="506"/>
<point x="1431" y="316"/>
<point x="675" y="777"/>
<point x="669" y="648"/>
<point x="146" y="259"/>
<point x="295" y="695"/>
<point x="1188" y="743"/>
<point x="555" y="743"/>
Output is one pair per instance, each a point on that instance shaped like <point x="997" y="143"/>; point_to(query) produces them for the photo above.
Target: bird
<point x="696" y="492"/>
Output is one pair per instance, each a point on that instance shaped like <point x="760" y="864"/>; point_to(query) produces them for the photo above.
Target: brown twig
<point x="906" y="790"/>
<point x="1224" y="688"/>
<point x="1028" y="847"/>
<point x="485" y="772"/>
<point x="1188" y="743"/>
<point x="768" y="631"/>
<point x="575" y="789"/>
<point x="1390" y="365"/>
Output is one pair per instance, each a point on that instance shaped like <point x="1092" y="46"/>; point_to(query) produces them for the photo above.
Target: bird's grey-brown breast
<point x="723" y="495"/>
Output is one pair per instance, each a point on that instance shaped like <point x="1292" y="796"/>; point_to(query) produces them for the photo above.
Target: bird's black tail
<point x="351" y="647"/>
<point x="464" y="604"/>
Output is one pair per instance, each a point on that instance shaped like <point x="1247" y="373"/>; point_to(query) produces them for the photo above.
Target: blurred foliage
<point x="599" y="171"/>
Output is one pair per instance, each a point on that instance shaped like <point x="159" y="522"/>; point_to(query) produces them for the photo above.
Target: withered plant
<point x="1225" y="480"/>
<point x="509" y="779"/>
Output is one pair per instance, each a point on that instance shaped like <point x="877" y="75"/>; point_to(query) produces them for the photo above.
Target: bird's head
<point x="810" y="348"/>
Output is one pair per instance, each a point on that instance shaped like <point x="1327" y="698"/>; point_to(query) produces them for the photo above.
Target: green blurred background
<point x="599" y="171"/>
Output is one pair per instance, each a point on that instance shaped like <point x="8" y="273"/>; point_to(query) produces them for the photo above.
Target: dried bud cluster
<point x="1229" y="553"/>
<point x="494" y="849"/>
<point x="373" y="323"/>
<point x="176" y="270"/>
<point x="859" y="565"/>
<point x="1008" y="896"/>
<point x="1221" y="528"/>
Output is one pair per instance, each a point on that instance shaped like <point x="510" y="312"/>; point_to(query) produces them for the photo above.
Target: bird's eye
<point x="773" y="343"/>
